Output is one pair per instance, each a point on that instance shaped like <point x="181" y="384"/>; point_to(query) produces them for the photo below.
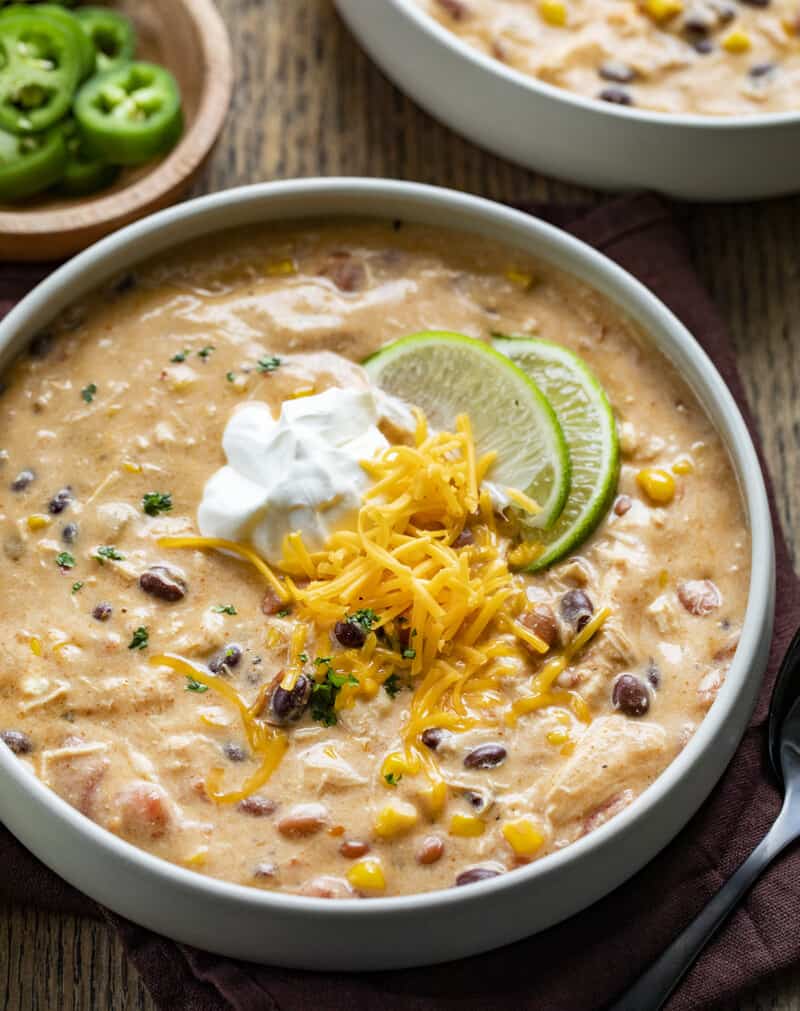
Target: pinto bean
<point x="347" y="273"/>
<point x="542" y="622"/>
<point x="257" y="806"/>
<point x="475" y="874"/>
<point x="622" y="504"/>
<point x="354" y="848"/>
<point x="304" y="819"/>
<point x="162" y="582"/>
<point x="23" y="480"/>
<point x="59" y="502"/>
<point x="288" y="706"/>
<point x="271" y="603"/>
<point x="576" y="608"/>
<point x="17" y="741"/>
<point x="630" y="695"/>
<point x="144" y="809"/>
<point x="102" y="611"/>
<point x="430" y="850"/>
<point x="487" y="756"/>
<point x="326" y="886"/>
<point x="349" y="635"/>
<point x="699" y="596"/>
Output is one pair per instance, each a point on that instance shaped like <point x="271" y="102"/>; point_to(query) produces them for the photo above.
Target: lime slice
<point x="447" y="374"/>
<point x="588" y="424"/>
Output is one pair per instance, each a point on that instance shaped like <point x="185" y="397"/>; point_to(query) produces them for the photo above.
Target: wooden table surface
<point x="308" y="102"/>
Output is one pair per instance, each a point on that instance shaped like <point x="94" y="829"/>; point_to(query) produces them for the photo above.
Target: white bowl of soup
<point x="694" y="99"/>
<point x="278" y="749"/>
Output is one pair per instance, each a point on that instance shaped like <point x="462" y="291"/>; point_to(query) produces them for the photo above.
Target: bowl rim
<point x="552" y="245"/>
<point x="168" y="174"/>
<point x="427" y="24"/>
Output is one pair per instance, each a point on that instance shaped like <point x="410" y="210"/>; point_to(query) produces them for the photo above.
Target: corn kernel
<point x="434" y="798"/>
<point x="131" y="467"/>
<point x="657" y="484"/>
<point x="523" y="836"/>
<point x="303" y="391"/>
<point x="198" y="858"/>
<point x="37" y="521"/>
<point x="466" y="825"/>
<point x="281" y="268"/>
<point x="518" y="277"/>
<point x="554" y="12"/>
<point x="367" y="876"/>
<point x="395" y="765"/>
<point x="736" y="41"/>
<point x="559" y="736"/>
<point x="663" y="10"/>
<point x="683" y="466"/>
<point x="36" y="646"/>
<point x="395" y="819"/>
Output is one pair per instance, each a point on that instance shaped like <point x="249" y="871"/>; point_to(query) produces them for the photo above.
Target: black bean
<point x="630" y="695"/>
<point x="164" y="583"/>
<point x="70" y="533"/>
<point x="234" y="752"/>
<point x="349" y="634"/>
<point x="475" y="874"/>
<point x="487" y="756"/>
<point x="464" y="539"/>
<point x="23" y="480"/>
<point x="125" y="283"/>
<point x="703" y="46"/>
<point x="288" y="706"/>
<point x="59" y="502"/>
<point x="653" y="674"/>
<point x="41" y="345"/>
<point x="756" y="3"/>
<point x="433" y="737"/>
<point x="615" y="70"/>
<point x="576" y="608"/>
<point x="258" y="807"/>
<point x="761" y="70"/>
<point x="230" y="657"/>
<point x="617" y="96"/>
<point x="18" y="742"/>
<point x="102" y="611"/>
<point x="724" y="10"/>
<point x="476" y="800"/>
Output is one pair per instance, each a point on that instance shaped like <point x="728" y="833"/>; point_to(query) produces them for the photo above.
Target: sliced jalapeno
<point x="40" y="66"/>
<point x="112" y="36"/>
<point x="85" y="47"/>
<point x="83" y="173"/>
<point x="30" y="164"/>
<point x="130" y="114"/>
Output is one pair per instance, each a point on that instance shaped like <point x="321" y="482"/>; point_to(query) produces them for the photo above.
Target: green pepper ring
<point x="83" y="174"/>
<point x="56" y="84"/>
<point x="25" y="173"/>
<point x="130" y="114"/>
<point x="70" y="21"/>
<point x="101" y="26"/>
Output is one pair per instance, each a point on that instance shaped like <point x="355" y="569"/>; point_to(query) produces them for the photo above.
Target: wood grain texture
<point x="308" y="102"/>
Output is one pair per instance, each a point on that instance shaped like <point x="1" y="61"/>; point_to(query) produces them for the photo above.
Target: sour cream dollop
<point x="302" y="472"/>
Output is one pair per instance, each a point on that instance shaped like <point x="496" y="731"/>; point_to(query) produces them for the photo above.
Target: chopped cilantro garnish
<point x="365" y="618"/>
<point x="393" y="778"/>
<point x="392" y="686"/>
<point x="206" y="351"/>
<point x="283" y="612"/>
<point x="88" y="392"/>
<point x="64" y="560"/>
<point x="195" y="686"/>
<point x="320" y="660"/>
<point x="109" y="552"/>
<point x="268" y="364"/>
<point x="76" y="586"/>
<point x="140" y="637"/>
<point x="303" y="658"/>
<point x="409" y="654"/>
<point x="155" y="502"/>
<point x="224" y="609"/>
<point x="180" y="356"/>
<point x="230" y="376"/>
<point x="323" y="695"/>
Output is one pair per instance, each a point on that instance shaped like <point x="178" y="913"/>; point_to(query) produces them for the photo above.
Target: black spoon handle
<point x="651" y="990"/>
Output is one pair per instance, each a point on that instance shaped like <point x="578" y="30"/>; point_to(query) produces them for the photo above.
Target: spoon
<point x="651" y="991"/>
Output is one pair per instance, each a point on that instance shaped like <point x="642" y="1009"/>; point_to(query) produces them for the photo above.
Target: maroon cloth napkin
<point x="583" y="963"/>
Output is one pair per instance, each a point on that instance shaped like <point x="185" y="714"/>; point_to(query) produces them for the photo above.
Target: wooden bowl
<point x="190" y="39"/>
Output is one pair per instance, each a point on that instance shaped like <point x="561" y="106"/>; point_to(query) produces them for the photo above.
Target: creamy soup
<point x="252" y="721"/>
<point x="711" y="57"/>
